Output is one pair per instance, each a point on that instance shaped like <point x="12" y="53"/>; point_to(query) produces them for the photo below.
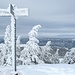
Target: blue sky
<point x="57" y="17"/>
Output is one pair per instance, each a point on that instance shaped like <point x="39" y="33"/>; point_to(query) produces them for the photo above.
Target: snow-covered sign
<point x="18" y="12"/>
<point x="13" y="12"/>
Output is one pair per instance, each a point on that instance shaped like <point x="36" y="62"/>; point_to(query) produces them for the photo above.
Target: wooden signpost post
<point x="13" y="12"/>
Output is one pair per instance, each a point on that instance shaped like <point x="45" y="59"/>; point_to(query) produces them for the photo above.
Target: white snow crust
<point x="41" y="69"/>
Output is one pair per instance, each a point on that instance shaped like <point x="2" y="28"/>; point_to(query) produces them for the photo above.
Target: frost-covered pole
<point x="13" y="34"/>
<point x="13" y="11"/>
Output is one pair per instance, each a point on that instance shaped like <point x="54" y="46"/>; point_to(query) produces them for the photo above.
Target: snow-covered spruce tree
<point x="46" y="55"/>
<point x="55" y="57"/>
<point x="1" y="54"/>
<point x="7" y="41"/>
<point x="7" y="47"/>
<point x="29" y="54"/>
<point x="69" y="57"/>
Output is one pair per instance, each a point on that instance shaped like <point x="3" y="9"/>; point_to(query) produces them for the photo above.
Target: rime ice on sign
<point x="13" y="11"/>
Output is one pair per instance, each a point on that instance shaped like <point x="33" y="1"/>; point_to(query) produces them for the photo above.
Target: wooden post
<point x="13" y="34"/>
<point x="13" y="12"/>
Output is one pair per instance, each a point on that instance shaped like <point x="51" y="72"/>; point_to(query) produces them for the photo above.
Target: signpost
<point x="13" y="12"/>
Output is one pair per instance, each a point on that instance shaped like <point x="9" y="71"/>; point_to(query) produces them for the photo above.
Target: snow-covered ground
<point x="41" y="69"/>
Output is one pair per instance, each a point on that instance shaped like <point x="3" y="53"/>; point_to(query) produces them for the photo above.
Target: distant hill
<point x="1" y="39"/>
<point x="57" y="42"/>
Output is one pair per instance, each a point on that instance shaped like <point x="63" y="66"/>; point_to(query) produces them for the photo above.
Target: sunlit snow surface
<point x="42" y="69"/>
